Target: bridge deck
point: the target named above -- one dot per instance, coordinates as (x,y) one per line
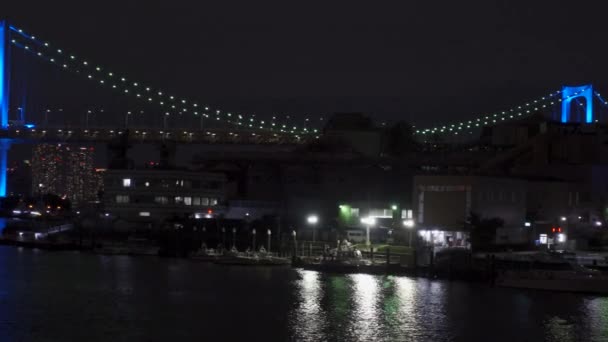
(210,136)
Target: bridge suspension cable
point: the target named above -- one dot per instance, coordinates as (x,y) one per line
(513,113)
(170,104)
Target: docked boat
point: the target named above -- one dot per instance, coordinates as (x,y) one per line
(269,260)
(343,259)
(556,276)
(262,258)
(206,254)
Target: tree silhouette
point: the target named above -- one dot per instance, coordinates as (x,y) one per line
(483,231)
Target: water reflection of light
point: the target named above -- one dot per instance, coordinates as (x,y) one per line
(597,314)
(310,291)
(406,292)
(123,271)
(559,329)
(2,225)
(365,296)
(308,315)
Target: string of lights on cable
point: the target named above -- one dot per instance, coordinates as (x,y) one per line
(513,113)
(170,104)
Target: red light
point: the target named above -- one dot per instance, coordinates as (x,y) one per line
(209,211)
(559,229)
(553,230)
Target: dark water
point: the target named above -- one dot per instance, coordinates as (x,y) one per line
(79,297)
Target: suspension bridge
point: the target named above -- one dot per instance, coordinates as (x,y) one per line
(203,123)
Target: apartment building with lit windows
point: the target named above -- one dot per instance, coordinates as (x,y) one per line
(65,170)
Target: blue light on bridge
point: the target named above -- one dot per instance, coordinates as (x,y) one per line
(4,100)
(4,74)
(571,93)
(29,126)
(5,145)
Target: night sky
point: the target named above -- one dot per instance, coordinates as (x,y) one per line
(421,61)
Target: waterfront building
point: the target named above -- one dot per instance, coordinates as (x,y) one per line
(151,195)
(444,204)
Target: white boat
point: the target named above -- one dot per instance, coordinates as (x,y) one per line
(206,254)
(233,257)
(557,277)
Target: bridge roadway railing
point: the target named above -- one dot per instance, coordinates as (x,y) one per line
(150,135)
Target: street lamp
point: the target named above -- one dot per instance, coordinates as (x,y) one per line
(368,222)
(86,122)
(165,118)
(223,238)
(127,119)
(253,233)
(295,243)
(409,224)
(269,234)
(313,220)
(46,117)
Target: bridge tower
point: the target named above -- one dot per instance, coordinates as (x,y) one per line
(4,100)
(571,93)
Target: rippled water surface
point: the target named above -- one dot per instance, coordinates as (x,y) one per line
(80,297)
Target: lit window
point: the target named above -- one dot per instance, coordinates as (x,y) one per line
(126,182)
(188,200)
(381,213)
(196,201)
(161,199)
(147,184)
(179,200)
(213,201)
(204,201)
(122,198)
(144,213)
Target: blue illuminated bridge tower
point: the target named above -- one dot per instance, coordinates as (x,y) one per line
(573,94)
(4,100)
